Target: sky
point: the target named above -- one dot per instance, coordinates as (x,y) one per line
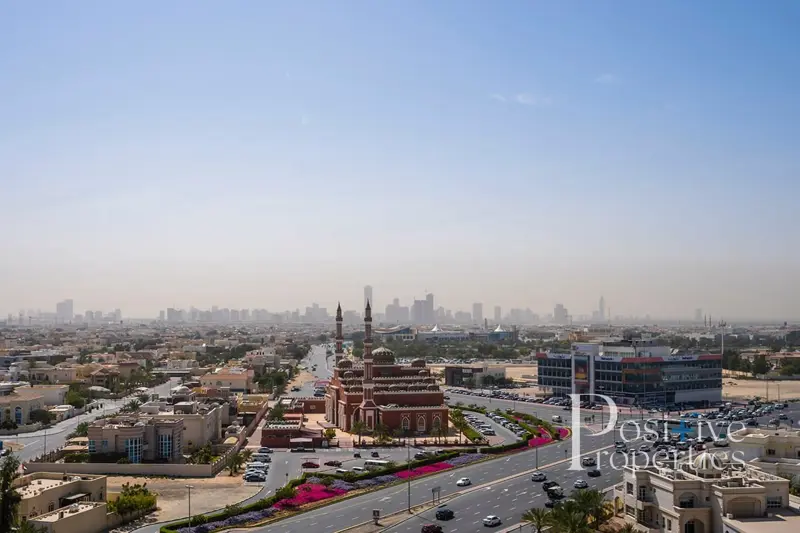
(519,153)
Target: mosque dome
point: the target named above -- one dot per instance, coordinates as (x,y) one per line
(707,465)
(383,356)
(418,363)
(345,363)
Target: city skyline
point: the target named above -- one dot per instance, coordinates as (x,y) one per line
(311,147)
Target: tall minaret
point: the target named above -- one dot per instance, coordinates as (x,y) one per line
(339,337)
(368,407)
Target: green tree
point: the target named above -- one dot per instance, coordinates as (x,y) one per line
(569,517)
(81,430)
(10,498)
(235,462)
(330,433)
(75,399)
(760,365)
(133,499)
(358,428)
(538,518)
(277,412)
(40,415)
(591,502)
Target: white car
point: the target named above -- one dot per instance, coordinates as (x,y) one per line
(463,482)
(538,476)
(491,521)
(580,484)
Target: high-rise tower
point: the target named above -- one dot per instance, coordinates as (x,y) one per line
(601,309)
(339,354)
(368,408)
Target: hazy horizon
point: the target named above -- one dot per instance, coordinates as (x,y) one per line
(521,154)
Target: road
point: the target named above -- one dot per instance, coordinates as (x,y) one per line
(55,436)
(316,357)
(350,512)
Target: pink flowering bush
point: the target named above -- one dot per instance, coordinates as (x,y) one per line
(422,470)
(309,493)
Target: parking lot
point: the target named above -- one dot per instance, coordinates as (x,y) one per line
(499,426)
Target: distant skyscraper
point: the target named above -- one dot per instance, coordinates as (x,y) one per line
(477,313)
(368,297)
(560,315)
(430,314)
(698,315)
(601,309)
(498,314)
(65,311)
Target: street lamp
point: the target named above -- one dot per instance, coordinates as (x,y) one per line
(408,450)
(189,487)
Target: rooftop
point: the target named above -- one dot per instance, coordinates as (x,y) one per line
(779,521)
(59,514)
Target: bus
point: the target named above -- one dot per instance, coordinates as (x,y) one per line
(375,464)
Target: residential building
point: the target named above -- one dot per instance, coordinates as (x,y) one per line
(86,517)
(43,492)
(379,391)
(107,377)
(773,450)
(51,394)
(202,422)
(138,439)
(16,403)
(708,494)
(237,379)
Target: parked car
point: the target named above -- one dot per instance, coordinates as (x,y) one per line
(357,455)
(491,521)
(264,449)
(375,454)
(333,463)
(310,464)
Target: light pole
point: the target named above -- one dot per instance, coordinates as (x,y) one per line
(189,487)
(408,449)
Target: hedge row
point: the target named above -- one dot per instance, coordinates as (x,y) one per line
(369,474)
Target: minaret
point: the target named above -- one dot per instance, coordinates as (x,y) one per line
(339,337)
(368,407)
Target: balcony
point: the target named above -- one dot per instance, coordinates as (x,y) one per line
(647,527)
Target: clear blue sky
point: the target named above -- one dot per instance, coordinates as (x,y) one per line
(519,153)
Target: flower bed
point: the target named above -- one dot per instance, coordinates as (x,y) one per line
(423,470)
(310,493)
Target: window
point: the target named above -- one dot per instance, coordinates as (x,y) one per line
(770,451)
(133,449)
(92,448)
(421,424)
(104,445)
(51,507)
(774,502)
(18,415)
(165,446)
(629,488)
(406,424)
(669,524)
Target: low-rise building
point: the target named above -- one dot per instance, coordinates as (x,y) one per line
(44,492)
(137,439)
(474,375)
(202,422)
(16,403)
(701,496)
(86,517)
(773,450)
(51,394)
(237,379)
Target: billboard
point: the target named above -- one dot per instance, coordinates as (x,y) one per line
(581,369)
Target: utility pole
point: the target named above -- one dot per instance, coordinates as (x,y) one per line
(408,449)
(190,504)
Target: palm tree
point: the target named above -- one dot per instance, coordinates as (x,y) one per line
(235,462)
(627,528)
(592,504)
(381,431)
(568,517)
(9,496)
(358,428)
(538,518)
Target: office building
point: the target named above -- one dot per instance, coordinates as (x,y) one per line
(640,371)
(477,313)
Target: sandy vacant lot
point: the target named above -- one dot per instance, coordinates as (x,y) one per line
(208,494)
(749,388)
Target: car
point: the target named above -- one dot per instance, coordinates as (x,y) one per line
(588,461)
(333,463)
(444,514)
(580,484)
(593,473)
(551,503)
(375,454)
(464,482)
(431,528)
(301,449)
(538,476)
(295,389)
(264,449)
(547,485)
(342,471)
(310,464)
(492,521)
